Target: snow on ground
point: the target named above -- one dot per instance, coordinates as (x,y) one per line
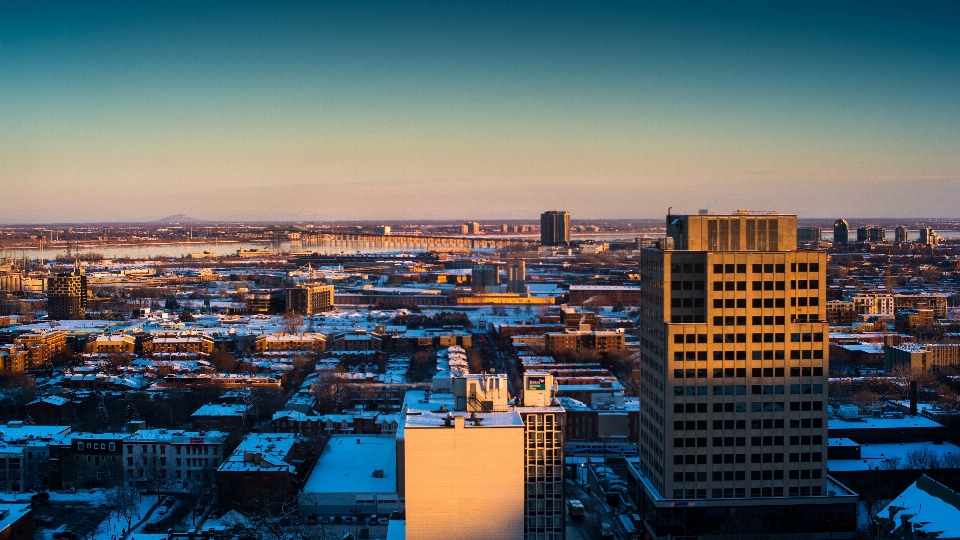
(113,527)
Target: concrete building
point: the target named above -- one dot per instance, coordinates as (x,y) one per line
(901,235)
(485,278)
(86,460)
(573,341)
(165,343)
(604,295)
(841,232)
(555,228)
(67,295)
(306,343)
(13,360)
(261,471)
(935,357)
(928,237)
(840,313)
(266,301)
(310,299)
(16,521)
(355,474)
(42,345)
(809,235)
(123,344)
(158,458)
(449,441)
(470,227)
(517,278)
(733,381)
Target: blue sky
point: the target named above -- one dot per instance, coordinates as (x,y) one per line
(480,110)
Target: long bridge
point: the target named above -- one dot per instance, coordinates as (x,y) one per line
(414,242)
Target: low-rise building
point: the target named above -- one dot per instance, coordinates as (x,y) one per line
(123,344)
(13,360)
(42,345)
(16,521)
(179,342)
(572,341)
(355,474)
(307,343)
(157,458)
(261,471)
(220,417)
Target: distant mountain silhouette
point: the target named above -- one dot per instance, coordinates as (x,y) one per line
(178,219)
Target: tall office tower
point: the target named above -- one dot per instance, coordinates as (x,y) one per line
(555,228)
(901,235)
(841,231)
(733,381)
(67,295)
(863,233)
(310,299)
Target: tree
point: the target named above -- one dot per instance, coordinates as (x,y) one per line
(187,316)
(125,501)
(332,392)
(866,400)
(223,361)
(291,323)
(921,458)
(103,417)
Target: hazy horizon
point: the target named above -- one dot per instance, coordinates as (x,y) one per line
(298,111)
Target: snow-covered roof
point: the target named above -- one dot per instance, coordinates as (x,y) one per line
(929,508)
(348,463)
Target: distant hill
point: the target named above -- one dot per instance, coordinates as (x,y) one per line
(178,219)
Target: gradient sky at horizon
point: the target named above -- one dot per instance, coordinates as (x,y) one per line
(477,110)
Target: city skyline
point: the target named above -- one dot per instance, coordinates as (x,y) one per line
(253,111)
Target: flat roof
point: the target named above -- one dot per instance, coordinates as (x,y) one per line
(874,456)
(883,423)
(347,465)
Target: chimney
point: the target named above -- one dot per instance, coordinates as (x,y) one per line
(913,398)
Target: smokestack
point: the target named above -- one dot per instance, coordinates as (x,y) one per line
(913,398)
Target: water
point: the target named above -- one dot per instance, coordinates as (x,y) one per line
(172,251)
(178,250)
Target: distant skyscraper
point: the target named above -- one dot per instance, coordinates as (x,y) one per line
(555,228)
(733,363)
(901,235)
(67,295)
(809,234)
(841,231)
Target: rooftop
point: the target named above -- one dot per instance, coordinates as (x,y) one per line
(348,464)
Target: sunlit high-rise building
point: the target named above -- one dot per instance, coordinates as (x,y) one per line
(734,381)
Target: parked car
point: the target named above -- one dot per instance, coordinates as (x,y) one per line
(384,521)
(372,520)
(337,520)
(169,501)
(163,511)
(46,520)
(606,531)
(364,533)
(65,535)
(348,520)
(41,497)
(325,520)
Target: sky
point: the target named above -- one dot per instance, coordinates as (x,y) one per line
(132,111)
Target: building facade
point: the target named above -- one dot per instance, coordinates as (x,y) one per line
(733,374)
(310,299)
(67,295)
(841,231)
(555,228)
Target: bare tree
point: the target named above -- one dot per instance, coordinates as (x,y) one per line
(291,323)
(125,501)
